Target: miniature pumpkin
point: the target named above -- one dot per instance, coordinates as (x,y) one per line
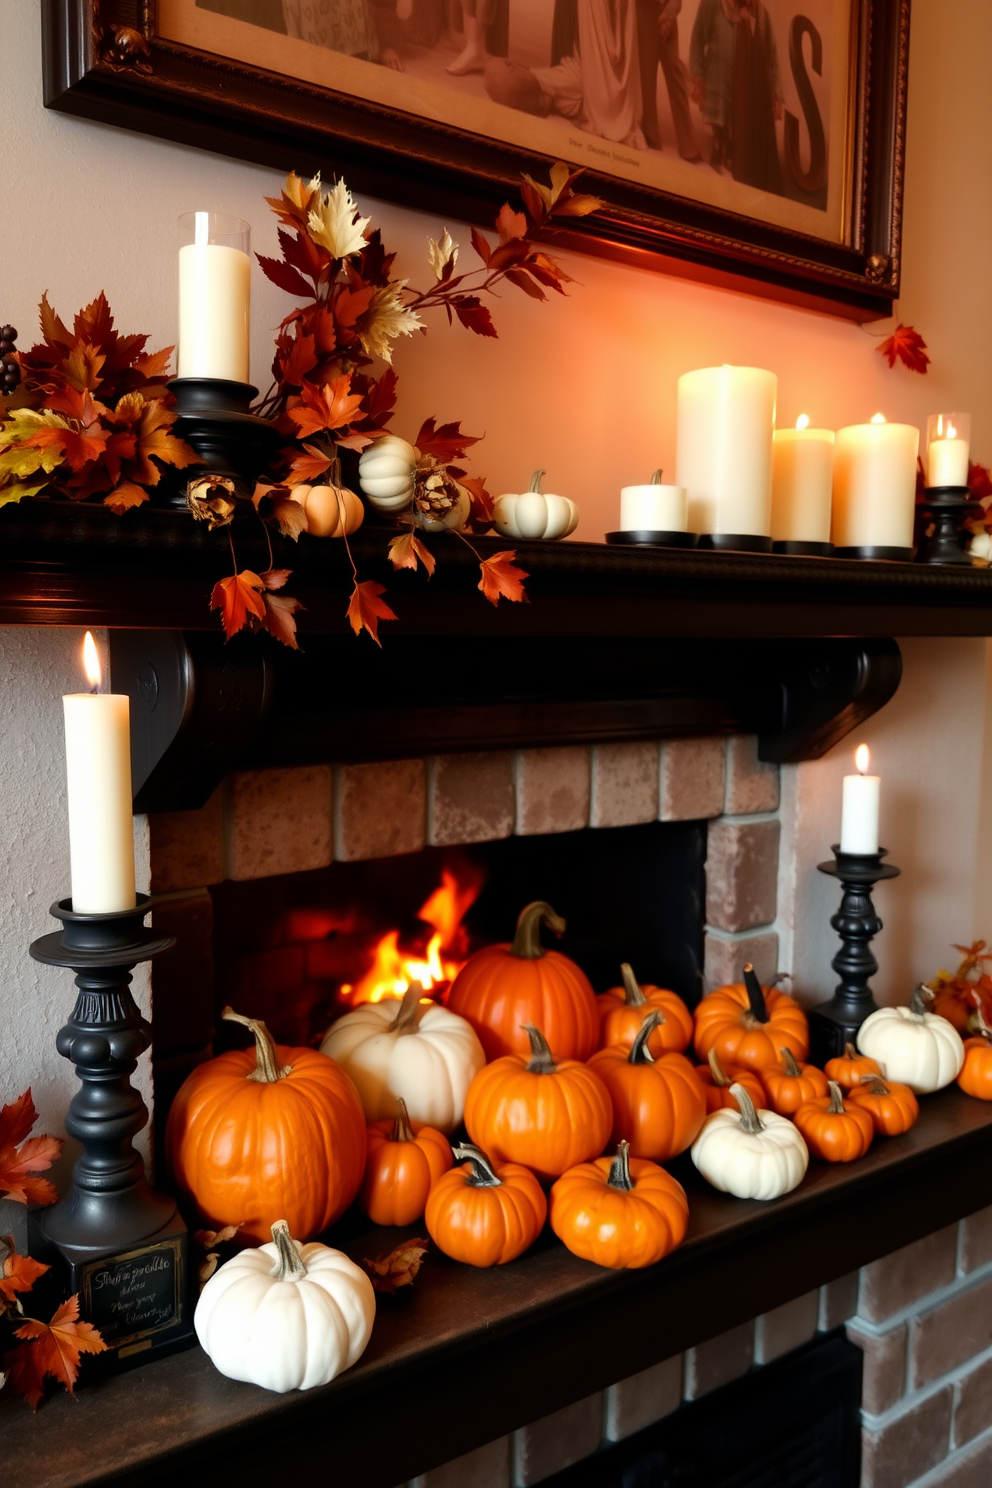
(418,1050)
(658,1105)
(503,987)
(385,473)
(485,1213)
(976,1072)
(255,1136)
(750,1156)
(792,1085)
(545,1115)
(622,1010)
(835,1129)
(747,1024)
(893,1108)
(332,510)
(535,516)
(619,1212)
(717,1083)
(914,1047)
(286,1316)
(403,1161)
(850,1068)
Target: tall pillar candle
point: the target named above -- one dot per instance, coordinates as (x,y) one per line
(874,498)
(214,297)
(726,418)
(859,807)
(98,775)
(802,482)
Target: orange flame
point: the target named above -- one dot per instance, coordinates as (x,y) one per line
(393,970)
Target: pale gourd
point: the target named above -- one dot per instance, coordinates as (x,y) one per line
(455,516)
(532,515)
(416,1050)
(385,473)
(914,1047)
(285,1316)
(332,511)
(750,1154)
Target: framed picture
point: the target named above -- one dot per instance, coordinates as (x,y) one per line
(754,141)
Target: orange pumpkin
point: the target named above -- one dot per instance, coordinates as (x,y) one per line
(792,1085)
(277,1133)
(619,1213)
(547,1115)
(976,1072)
(716,1082)
(404,1159)
(658,1105)
(893,1108)
(622,1010)
(485,1213)
(504,987)
(835,1129)
(747,1024)
(849,1068)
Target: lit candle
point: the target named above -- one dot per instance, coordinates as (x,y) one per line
(214,292)
(653,508)
(874,497)
(948,436)
(726,418)
(802,482)
(859,810)
(98,774)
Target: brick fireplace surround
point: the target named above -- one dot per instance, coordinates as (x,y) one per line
(922,1315)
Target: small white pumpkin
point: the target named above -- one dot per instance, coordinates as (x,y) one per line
(535,516)
(421,1052)
(750,1154)
(285,1316)
(385,472)
(914,1047)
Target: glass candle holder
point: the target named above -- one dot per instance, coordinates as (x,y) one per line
(214,296)
(948,449)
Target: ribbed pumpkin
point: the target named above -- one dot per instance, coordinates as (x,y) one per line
(747,1024)
(976,1072)
(658,1105)
(404,1159)
(622,1010)
(835,1129)
(619,1212)
(893,1108)
(545,1114)
(485,1213)
(258,1136)
(849,1068)
(504,987)
(716,1082)
(792,1085)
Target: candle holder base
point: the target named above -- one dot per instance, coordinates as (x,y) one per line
(735,542)
(945,510)
(643,538)
(883,554)
(796,549)
(212,415)
(835,1023)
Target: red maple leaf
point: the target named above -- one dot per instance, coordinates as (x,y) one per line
(51,1349)
(330,406)
(22,1155)
(366,609)
(405,550)
(907,346)
(500,579)
(237,597)
(17,1274)
(446,443)
(285,276)
(482,503)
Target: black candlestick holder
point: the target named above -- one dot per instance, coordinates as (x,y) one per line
(943,513)
(112,1238)
(212,416)
(835,1023)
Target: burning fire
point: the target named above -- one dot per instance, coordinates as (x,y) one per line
(392,969)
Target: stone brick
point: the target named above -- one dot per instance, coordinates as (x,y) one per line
(624,785)
(786,1327)
(752,784)
(486,1467)
(724,956)
(380,810)
(976,1240)
(279,821)
(969,1469)
(643,1398)
(471,798)
(187,847)
(692,779)
(908,1446)
(553,789)
(741,874)
(722,1359)
(884,1367)
(950,1334)
(838,1301)
(907,1275)
(973,1404)
(556,1441)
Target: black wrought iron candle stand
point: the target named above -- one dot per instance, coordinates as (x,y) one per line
(213,416)
(945,510)
(835,1023)
(112,1238)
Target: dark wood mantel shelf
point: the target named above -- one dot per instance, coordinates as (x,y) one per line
(474,1354)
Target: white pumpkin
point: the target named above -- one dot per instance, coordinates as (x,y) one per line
(421,1052)
(914,1047)
(750,1154)
(285,1316)
(534,515)
(385,472)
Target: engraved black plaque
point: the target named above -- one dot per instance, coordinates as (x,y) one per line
(135,1294)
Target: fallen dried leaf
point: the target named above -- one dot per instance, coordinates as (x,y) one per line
(405,550)
(51,1349)
(399,1268)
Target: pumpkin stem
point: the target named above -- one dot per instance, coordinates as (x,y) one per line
(755,995)
(535,481)
(639,1051)
(620,1169)
(410,1010)
(542,1061)
(632,994)
(527,941)
(655,478)
(789,1061)
(267,1068)
(750,1120)
(836,1106)
(984,1031)
(720,1076)
(920,1000)
(874,1084)
(402,1130)
(334,476)
(289,1265)
(850,1052)
(483,1174)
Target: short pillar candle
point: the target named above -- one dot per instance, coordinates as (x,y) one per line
(948,449)
(859,807)
(726,419)
(214,296)
(874,488)
(802,483)
(653,508)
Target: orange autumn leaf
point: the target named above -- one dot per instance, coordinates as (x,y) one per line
(405,550)
(307,468)
(399,1268)
(51,1350)
(125,496)
(366,609)
(501,579)
(238,597)
(280,609)
(907,346)
(22,1155)
(18,1274)
(330,406)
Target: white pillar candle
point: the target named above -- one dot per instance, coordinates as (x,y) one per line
(98,774)
(948,449)
(874,498)
(802,482)
(652,508)
(859,807)
(214,295)
(726,418)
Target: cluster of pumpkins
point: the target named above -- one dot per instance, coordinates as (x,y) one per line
(546,1077)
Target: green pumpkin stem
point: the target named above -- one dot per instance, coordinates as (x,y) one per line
(789,1062)
(750,1120)
(655,478)
(874,1084)
(542,1061)
(920,1000)
(620,1169)
(535,481)
(267,1067)
(639,1051)
(410,1011)
(289,1265)
(755,995)
(720,1076)
(402,1131)
(836,1106)
(632,994)
(483,1174)
(527,941)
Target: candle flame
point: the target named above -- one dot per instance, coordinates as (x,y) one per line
(802,422)
(91,662)
(878,418)
(952,433)
(862,758)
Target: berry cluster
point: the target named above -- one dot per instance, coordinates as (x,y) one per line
(10,372)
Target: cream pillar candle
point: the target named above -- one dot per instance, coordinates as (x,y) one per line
(98,775)
(726,418)
(802,482)
(859,807)
(948,449)
(653,508)
(214,295)
(874,497)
